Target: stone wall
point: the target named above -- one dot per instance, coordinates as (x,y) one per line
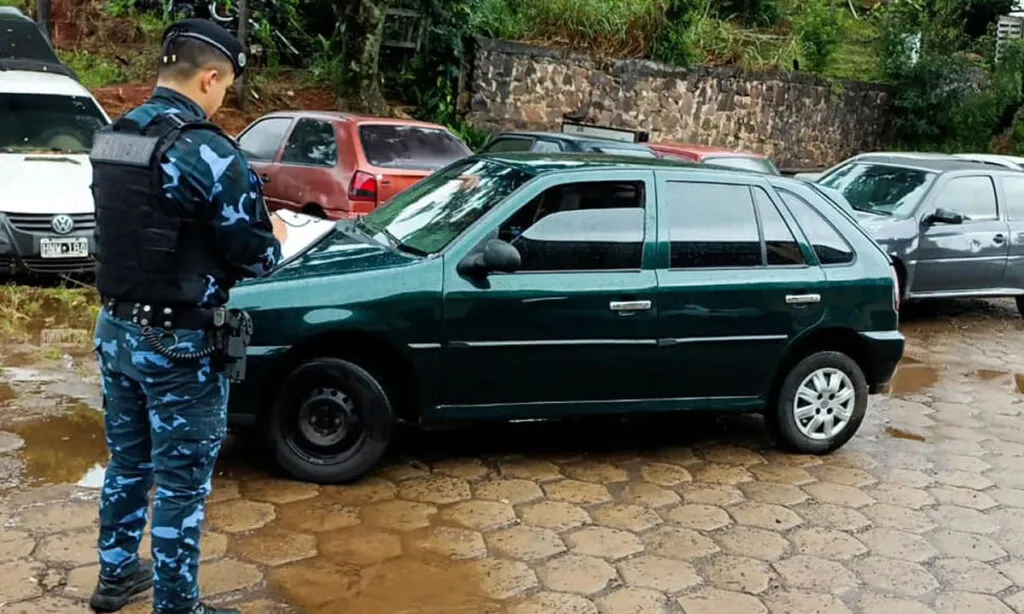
(798,119)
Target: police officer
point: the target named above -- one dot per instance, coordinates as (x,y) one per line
(180,219)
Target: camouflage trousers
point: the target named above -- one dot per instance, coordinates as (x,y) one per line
(165,422)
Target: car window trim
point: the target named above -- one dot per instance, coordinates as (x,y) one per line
(760,233)
(337,146)
(280,146)
(856,256)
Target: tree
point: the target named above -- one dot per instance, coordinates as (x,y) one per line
(361,30)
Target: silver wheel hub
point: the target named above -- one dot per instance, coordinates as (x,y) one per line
(824,403)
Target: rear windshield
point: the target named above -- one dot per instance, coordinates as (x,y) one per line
(758,165)
(411,147)
(31,123)
(21,39)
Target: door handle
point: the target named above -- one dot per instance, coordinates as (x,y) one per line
(265,177)
(999,238)
(802,299)
(629,305)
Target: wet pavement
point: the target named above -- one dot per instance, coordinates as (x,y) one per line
(923,511)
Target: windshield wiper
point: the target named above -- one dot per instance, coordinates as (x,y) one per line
(397,243)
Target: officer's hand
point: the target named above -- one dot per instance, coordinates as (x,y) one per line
(280,228)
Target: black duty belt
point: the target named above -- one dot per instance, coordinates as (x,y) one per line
(160,316)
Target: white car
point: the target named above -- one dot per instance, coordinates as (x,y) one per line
(1014,162)
(47,214)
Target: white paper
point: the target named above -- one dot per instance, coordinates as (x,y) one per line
(302,230)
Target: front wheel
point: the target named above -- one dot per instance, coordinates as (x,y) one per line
(332,422)
(821,404)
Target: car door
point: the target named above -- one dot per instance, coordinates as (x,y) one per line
(1012,197)
(306,179)
(574,323)
(966,257)
(735,285)
(262,143)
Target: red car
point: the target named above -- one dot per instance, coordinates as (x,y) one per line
(336,165)
(705,154)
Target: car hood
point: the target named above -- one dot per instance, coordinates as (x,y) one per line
(336,253)
(884,228)
(45,183)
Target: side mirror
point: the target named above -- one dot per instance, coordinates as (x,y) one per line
(497,256)
(945,216)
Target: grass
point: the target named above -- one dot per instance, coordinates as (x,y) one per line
(27,308)
(857,57)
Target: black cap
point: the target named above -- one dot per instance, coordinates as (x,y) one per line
(208,32)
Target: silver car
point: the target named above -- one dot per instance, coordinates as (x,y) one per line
(953,227)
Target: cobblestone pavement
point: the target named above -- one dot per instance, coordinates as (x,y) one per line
(922,512)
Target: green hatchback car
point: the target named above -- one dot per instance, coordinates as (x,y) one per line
(523,286)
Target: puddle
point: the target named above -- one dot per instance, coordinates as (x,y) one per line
(901,434)
(911,379)
(1019,380)
(987,375)
(62,449)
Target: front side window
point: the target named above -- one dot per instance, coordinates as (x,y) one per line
(880,189)
(428,216)
(263,140)
(311,143)
(44,123)
(591,226)
(975,197)
(712,225)
(828,244)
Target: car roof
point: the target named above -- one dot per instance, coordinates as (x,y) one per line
(574,138)
(338,116)
(698,149)
(539,164)
(937,165)
(32,82)
(993,157)
(10,13)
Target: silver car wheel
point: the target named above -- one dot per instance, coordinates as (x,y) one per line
(824,403)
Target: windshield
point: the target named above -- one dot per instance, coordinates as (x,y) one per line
(428,216)
(758,165)
(880,189)
(410,147)
(33,123)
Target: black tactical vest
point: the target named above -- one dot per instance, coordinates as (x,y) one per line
(148,248)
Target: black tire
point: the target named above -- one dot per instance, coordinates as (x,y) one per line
(315,210)
(1020,305)
(782,417)
(331,392)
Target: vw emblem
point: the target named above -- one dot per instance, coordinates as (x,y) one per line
(62,224)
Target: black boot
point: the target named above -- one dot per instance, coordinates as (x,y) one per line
(202,608)
(111,596)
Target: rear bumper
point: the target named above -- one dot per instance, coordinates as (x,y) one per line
(883,351)
(21,252)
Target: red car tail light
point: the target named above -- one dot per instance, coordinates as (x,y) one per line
(363,188)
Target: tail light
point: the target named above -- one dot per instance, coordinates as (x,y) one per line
(363,188)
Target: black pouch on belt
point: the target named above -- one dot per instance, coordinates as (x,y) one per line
(232,333)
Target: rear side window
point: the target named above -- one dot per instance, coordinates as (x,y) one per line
(781,247)
(410,147)
(1013,189)
(542,146)
(712,225)
(312,143)
(263,140)
(830,247)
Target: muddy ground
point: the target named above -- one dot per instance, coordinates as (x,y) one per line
(922,512)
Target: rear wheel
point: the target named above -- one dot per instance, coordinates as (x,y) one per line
(820,405)
(1020,305)
(332,422)
(315,210)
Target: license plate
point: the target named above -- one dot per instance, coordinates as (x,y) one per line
(64,248)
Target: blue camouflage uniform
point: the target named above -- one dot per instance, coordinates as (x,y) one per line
(165,421)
